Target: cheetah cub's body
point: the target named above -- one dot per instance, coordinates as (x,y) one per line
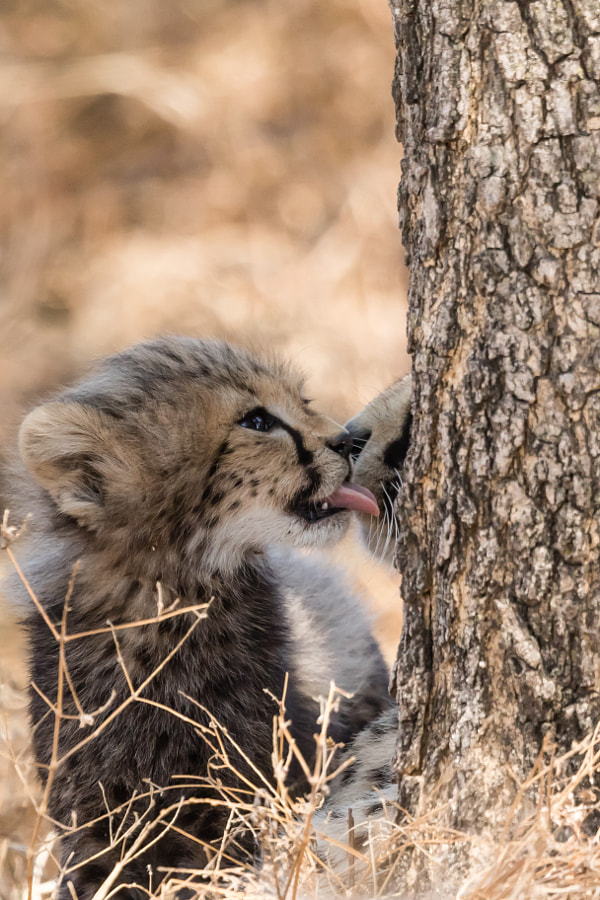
(381,436)
(187,464)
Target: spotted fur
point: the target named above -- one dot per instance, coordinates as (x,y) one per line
(361,804)
(144,474)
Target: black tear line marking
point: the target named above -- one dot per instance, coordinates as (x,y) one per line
(305,457)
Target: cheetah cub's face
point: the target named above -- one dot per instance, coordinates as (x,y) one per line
(195,449)
(380,439)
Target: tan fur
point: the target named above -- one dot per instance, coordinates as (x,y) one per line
(193,417)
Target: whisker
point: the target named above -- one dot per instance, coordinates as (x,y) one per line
(380,528)
(399,477)
(371,523)
(386,543)
(333,422)
(392,526)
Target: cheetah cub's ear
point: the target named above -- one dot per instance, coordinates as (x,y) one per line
(380,440)
(67,448)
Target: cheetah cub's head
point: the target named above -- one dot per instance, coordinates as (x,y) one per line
(194,449)
(380,438)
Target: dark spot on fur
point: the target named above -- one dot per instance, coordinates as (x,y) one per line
(93,873)
(216,498)
(179,499)
(255,482)
(144,657)
(378,729)
(105,405)
(187,816)
(172,355)
(132,590)
(380,777)
(234,505)
(100,830)
(374,808)
(348,774)
(90,481)
(238,482)
(120,793)
(162,744)
(314,483)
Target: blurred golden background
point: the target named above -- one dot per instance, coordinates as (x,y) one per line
(210,167)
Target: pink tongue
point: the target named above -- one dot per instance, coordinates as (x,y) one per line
(354,496)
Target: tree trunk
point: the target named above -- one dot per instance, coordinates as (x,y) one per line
(498,107)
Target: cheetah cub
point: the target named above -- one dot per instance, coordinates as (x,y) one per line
(381,437)
(190,465)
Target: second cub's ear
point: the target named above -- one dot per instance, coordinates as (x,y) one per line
(65,446)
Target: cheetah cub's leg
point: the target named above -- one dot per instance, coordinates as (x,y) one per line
(333,637)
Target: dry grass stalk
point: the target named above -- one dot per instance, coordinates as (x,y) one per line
(549,846)
(553,850)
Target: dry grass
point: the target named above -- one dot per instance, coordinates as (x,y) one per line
(548,846)
(226,168)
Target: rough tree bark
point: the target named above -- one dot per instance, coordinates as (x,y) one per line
(498,107)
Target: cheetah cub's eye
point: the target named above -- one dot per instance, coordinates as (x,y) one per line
(258,420)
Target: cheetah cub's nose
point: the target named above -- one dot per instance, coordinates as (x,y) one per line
(341,443)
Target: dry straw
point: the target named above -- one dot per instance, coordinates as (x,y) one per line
(547,848)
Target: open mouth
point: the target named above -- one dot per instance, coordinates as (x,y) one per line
(347,496)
